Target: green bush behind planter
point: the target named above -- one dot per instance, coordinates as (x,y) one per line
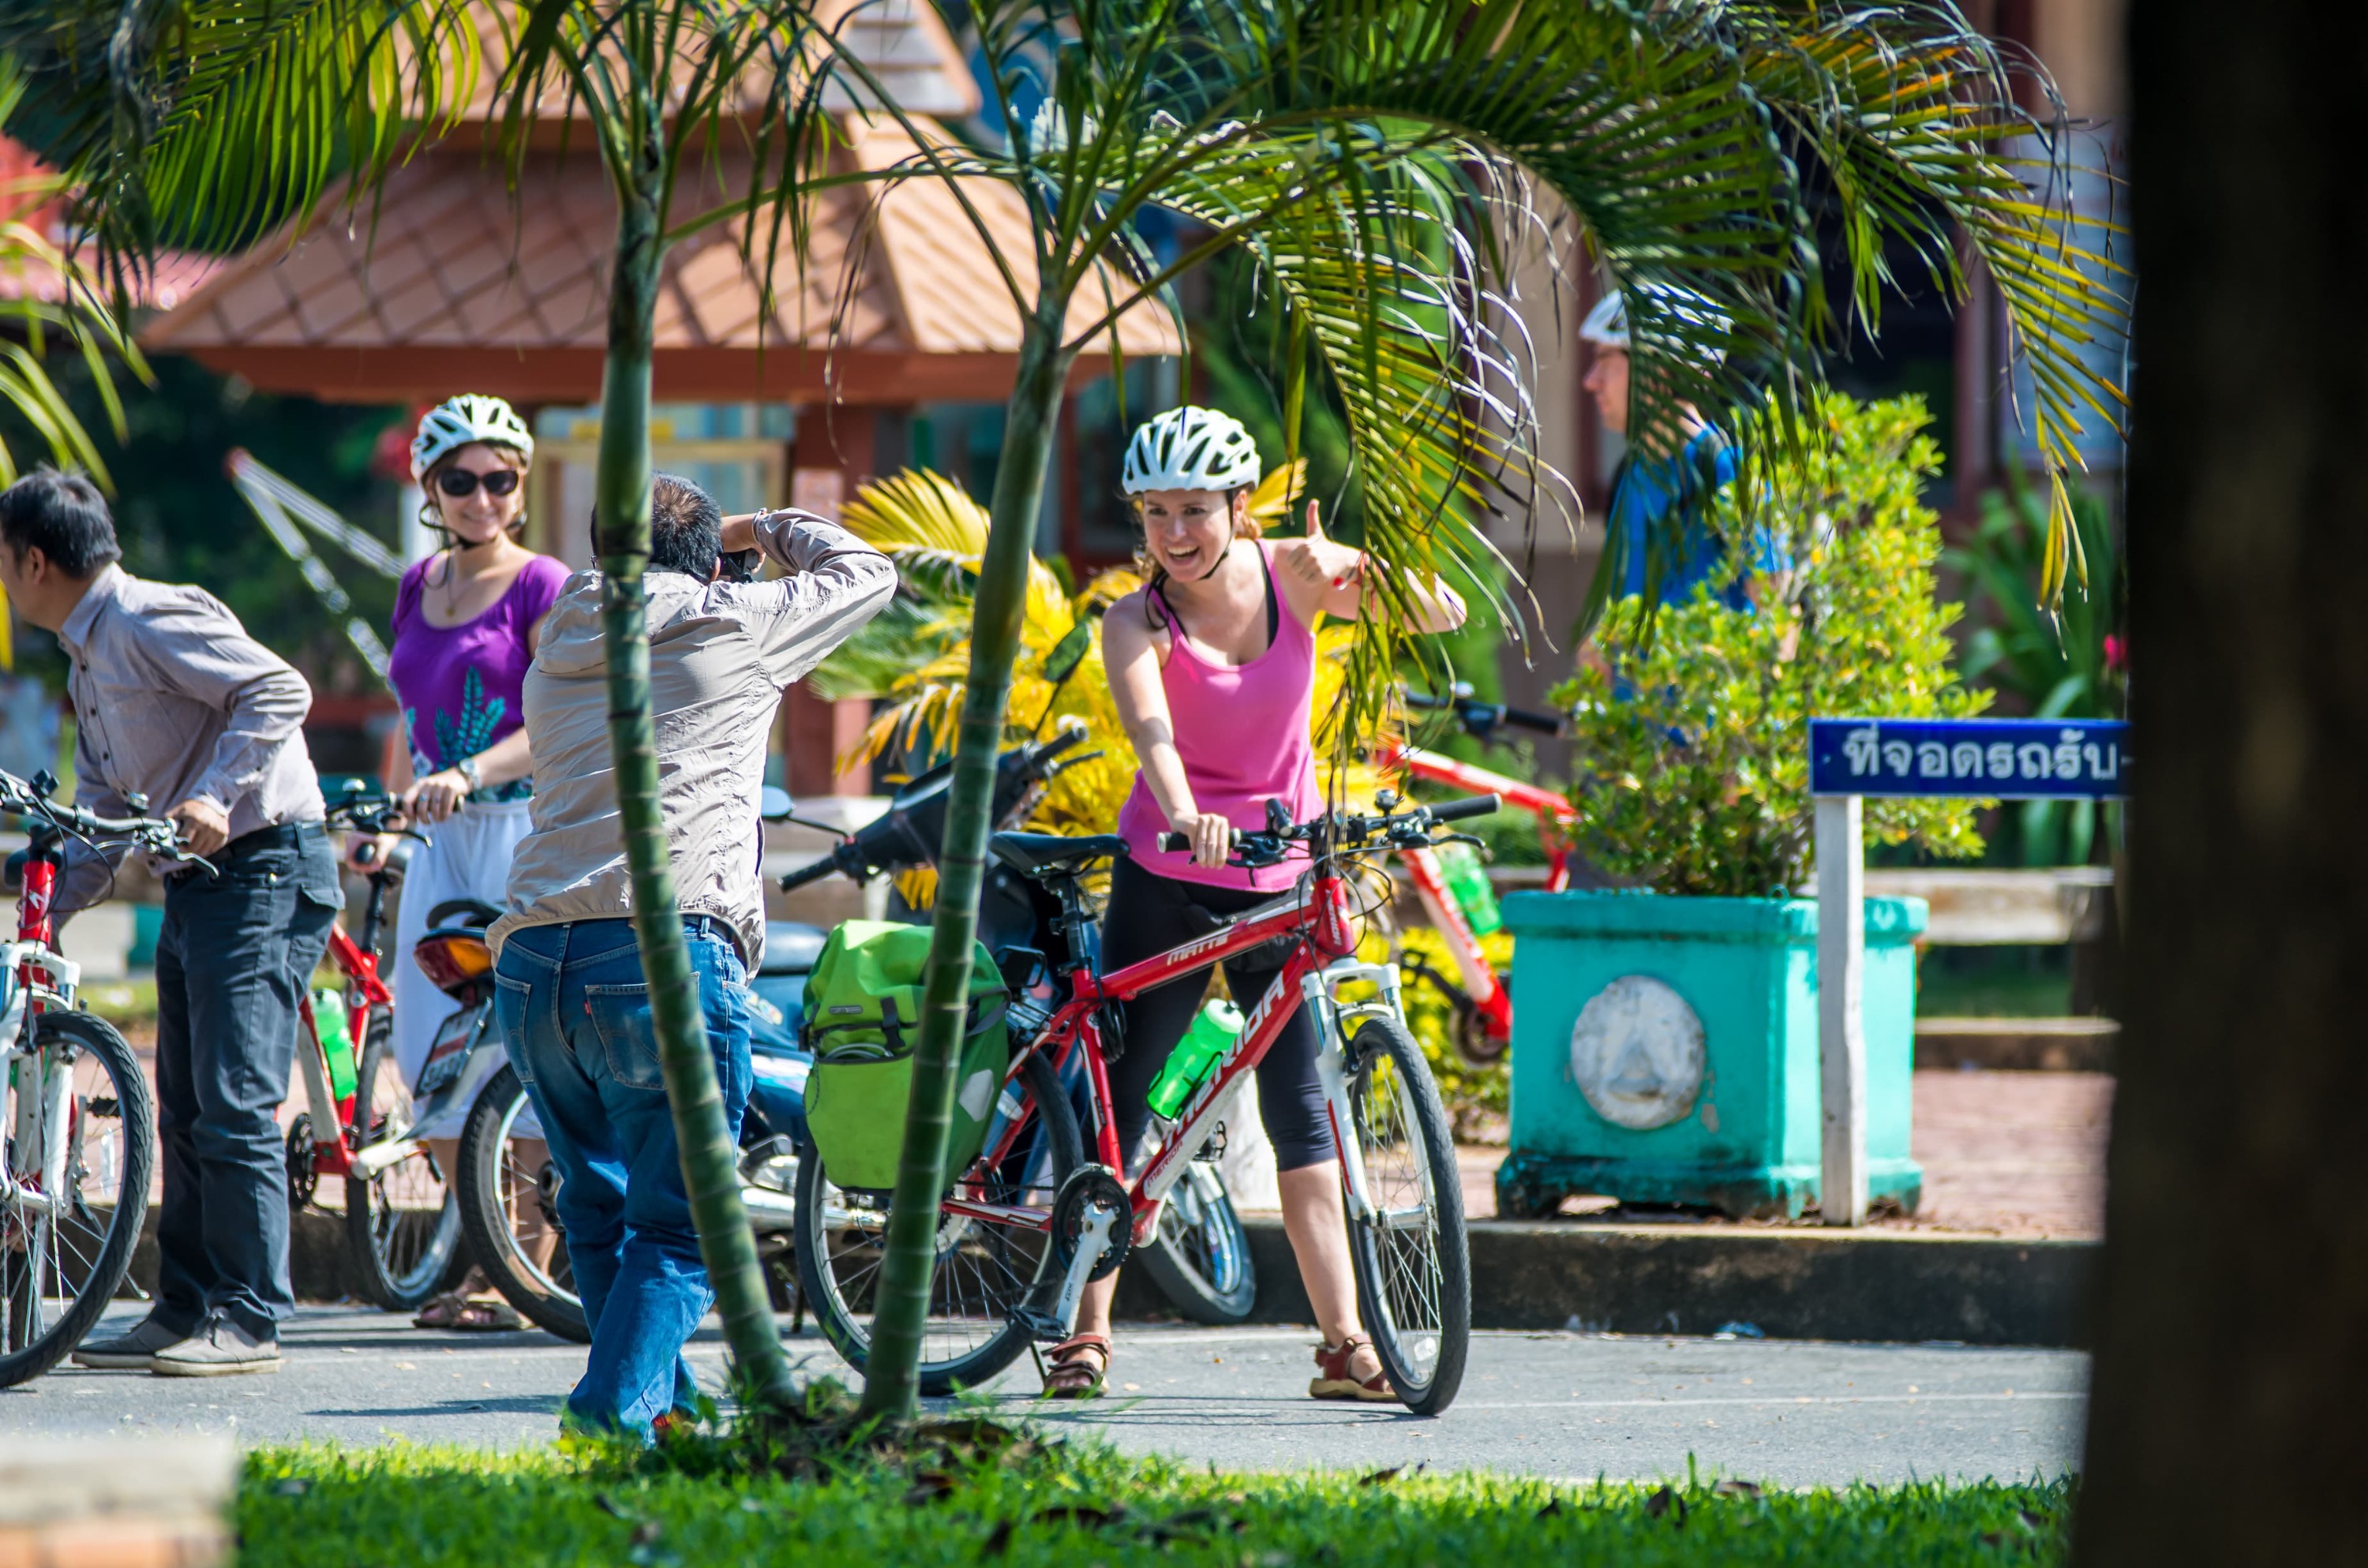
(1690,739)
(1731,1095)
(1691,774)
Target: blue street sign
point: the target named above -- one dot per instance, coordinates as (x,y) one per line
(2006,759)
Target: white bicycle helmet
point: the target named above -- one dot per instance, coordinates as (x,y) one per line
(458,421)
(1191,449)
(1606,324)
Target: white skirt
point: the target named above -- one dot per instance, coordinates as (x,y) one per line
(467,855)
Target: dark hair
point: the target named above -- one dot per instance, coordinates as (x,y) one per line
(65,516)
(686,528)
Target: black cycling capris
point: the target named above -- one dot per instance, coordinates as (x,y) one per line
(1149,915)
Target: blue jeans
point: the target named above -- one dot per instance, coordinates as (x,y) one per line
(575,1013)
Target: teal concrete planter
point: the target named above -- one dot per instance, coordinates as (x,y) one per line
(1665,1051)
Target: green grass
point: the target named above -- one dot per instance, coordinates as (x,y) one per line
(124,1003)
(1994,983)
(1082,1504)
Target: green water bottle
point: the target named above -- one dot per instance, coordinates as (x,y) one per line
(329,1023)
(1467,883)
(1212,1034)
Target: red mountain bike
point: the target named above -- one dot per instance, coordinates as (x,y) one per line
(76,1110)
(402,1222)
(1481,1007)
(1033,1220)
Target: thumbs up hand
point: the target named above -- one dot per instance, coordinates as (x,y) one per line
(1331,568)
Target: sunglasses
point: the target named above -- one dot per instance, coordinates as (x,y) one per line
(459,481)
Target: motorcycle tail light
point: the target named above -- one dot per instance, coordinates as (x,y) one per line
(455,961)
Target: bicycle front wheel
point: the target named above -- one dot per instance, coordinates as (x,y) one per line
(983,1271)
(402,1224)
(80,1134)
(1414,1263)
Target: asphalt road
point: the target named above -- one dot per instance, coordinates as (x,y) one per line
(1561,1405)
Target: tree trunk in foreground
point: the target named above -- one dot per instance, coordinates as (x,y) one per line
(2224,1424)
(621,484)
(891,1375)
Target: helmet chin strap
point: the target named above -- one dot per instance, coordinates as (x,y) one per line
(1222,556)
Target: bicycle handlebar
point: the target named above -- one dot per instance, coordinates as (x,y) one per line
(1413,827)
(1479,719)
(1471,806)
(158,835)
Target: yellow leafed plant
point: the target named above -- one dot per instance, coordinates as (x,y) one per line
(937,535)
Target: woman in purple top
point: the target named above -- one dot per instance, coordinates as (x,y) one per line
(466,623)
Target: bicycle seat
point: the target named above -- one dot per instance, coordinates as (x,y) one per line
(1048,853)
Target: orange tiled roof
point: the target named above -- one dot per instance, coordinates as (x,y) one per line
(460,285)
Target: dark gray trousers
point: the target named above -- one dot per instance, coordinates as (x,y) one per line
(237,950)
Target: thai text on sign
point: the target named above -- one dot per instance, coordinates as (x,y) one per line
(2012,759)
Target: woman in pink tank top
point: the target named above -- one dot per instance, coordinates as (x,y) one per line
(1212,667)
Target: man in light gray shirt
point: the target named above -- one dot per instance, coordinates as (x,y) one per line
(573,1005)
(176,704)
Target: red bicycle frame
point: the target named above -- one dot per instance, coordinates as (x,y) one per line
(1316,914)
(1489,998)
(1555,813)
(364,990)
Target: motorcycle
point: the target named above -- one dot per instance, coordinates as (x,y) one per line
(509,1187)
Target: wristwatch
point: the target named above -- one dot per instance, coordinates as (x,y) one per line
(467,768)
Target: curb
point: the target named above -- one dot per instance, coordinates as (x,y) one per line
(2017,1045)
(1557,1275)
(1696,1279)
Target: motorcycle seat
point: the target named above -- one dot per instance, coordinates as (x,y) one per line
(1046,853)
(791,947)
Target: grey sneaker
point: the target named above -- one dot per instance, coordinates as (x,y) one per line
(218,1349)
(135,1351)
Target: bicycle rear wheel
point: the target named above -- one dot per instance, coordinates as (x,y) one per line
(80,1134)
(1413,1263)
(402,1224)
(1200,1257)
(509,1202)
(983,1271)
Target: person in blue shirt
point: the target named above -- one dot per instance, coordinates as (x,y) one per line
(1652,482)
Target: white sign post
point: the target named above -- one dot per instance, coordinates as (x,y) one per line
(1841,1031)
(2008,759)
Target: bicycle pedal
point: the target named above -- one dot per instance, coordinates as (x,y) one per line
(1042,1327)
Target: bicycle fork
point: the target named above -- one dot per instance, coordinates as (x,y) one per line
(1334,1018)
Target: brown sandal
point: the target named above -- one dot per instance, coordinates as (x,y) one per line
(1067,1375)
(1332,1380)
(462,1313)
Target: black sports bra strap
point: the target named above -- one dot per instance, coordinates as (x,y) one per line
(1273,607)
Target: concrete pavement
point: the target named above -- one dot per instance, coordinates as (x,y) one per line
(1561,1405)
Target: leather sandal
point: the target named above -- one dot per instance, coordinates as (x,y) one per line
(458,1311)
(1069,1375)
(1332,1380)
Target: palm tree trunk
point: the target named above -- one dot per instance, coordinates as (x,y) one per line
(621,485)
(2224,1421)
(891,1377)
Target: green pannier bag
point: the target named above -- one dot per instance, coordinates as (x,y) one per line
(862,1022)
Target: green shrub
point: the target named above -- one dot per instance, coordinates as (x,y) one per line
(1692,756)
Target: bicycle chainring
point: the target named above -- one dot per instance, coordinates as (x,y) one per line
(303,1178)
(1089,1186)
